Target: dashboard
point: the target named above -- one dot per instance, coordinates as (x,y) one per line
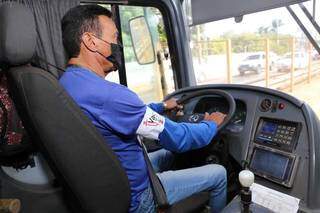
(273,132)
(274,141)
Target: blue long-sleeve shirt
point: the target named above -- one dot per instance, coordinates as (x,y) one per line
(120,115)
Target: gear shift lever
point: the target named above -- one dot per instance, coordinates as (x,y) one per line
(246,179)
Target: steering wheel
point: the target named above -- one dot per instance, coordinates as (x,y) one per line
(197,117)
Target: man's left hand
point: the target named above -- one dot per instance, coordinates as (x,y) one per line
(171,104)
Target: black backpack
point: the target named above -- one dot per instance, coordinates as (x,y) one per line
(15,147)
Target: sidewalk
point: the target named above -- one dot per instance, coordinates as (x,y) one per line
(310,93)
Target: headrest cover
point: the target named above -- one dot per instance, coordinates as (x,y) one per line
(17,34)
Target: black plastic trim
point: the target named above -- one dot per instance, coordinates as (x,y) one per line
(313,127)
(122,71)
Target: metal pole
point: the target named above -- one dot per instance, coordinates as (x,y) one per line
(314,9)
(309,16)
(292,64)
(164,87)
(267,61)
(304,29)
(310,62)
(199,44)
(229,61)
(207,49)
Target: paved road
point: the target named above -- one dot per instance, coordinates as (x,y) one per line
(308,92)
(276,79)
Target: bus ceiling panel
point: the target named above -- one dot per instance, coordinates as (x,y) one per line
(204,11)
(122,2)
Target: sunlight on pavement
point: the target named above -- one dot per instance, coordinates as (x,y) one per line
(310,93)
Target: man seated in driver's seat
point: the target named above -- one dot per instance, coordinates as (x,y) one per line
(90,40)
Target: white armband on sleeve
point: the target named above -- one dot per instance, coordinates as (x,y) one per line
(151,125)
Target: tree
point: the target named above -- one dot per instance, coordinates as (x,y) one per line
(275,25)
(263,30)
(156,28)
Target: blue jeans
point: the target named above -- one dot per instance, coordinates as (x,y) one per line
(181,184)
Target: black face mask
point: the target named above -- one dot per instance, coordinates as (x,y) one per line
(115,57)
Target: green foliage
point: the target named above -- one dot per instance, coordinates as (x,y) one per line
(127,13)
(246,42)
(162,33)
(218,47)
(249,42)
(157,31)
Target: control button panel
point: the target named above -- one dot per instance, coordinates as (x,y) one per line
(284,134)
(277,133)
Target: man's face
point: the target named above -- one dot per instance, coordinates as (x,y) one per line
(110,35)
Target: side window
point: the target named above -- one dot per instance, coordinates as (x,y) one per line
(151,81)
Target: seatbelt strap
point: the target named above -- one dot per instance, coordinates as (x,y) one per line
(52,65)
(159,194)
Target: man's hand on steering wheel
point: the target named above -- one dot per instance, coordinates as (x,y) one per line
(216,117)
(197,117)
(171,104)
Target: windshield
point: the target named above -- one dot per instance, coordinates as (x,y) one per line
(288,56)
(219,49)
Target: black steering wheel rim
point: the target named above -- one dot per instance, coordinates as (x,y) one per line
(229,98)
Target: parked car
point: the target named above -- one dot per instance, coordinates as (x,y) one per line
(256,63)
(300,62)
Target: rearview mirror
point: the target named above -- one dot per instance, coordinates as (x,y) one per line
(141,40)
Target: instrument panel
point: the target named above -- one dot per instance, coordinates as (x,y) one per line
(216,104)
(279,134)
(273,155)
(274,140)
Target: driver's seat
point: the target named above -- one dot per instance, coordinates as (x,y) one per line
(86,167)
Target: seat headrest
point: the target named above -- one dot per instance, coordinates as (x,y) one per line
(17,34)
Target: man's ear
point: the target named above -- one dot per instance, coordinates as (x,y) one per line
(89,42)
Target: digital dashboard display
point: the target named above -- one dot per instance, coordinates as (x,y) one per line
(269,128)
(269,163)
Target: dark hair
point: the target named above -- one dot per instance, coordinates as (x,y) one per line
(78,20)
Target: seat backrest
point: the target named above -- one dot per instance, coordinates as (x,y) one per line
(15,147)
(77,153)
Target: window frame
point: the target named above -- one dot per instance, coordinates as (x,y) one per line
(177,37)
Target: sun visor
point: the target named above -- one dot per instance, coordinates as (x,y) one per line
(204,11)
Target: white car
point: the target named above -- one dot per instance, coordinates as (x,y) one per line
(300,62)
(256,63)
